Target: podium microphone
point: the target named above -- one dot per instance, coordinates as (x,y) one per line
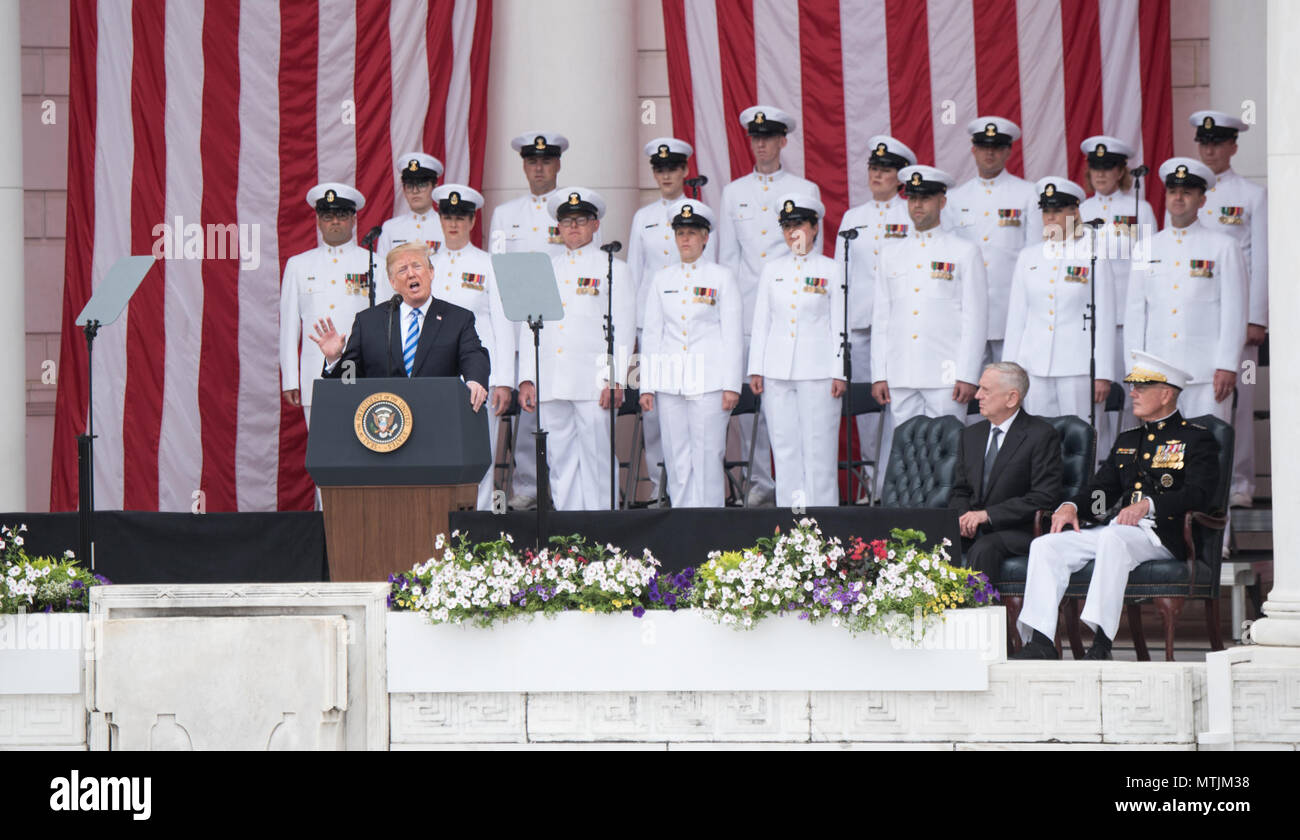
(612,248)
(369,240)
(393,303)
(849,235)
(1140,172)
(1095,223)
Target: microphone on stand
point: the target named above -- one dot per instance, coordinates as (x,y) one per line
(612,247)
(369,240)
(394,304)
(696,184)
(1140,172)
(849,234)
(1095,223)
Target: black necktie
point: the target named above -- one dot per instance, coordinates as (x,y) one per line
(990,455)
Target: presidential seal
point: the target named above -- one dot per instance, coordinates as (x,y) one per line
(383,422)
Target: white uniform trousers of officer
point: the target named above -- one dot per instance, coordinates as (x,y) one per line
(804,421)
(488,483)
(1057,396)
(906,403)
(1118,549)
(1243,424)
(760,471)
(868,425)
(1198,399)
(577,452)
(652,437)
(694,441)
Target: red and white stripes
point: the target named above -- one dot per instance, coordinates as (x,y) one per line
(217,114)
(1062,69)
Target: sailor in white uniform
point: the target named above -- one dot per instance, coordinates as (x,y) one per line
(419,173)
(329,281)
(577,387)
(878,222)
(524,224)
(930,321)
(749,235)
(998,213)
(651,246)
(462,274)
(795,362)
(692,359)
(1187,304)
(1052,286)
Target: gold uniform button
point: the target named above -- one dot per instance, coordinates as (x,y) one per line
(683,317)
(918,288)
(1137,485)
(986,239)
(914,336)
(1174,312)
(1051,281)
(762,232)
(683,346)
(331,306)
(534,230)
(336,259)
(916,312)
(792,335)
(764,254)
(1049,328)
(1175,335)
(990,192)
(1146,455)
(1151,437)
(1050,297)
(792,306)
(448,288)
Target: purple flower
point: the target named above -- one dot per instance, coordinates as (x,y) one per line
(638,611)
(688,572)
(670,600)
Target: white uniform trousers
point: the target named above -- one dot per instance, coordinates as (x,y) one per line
(488,484)
(1196,400)
(1057,396)
(1243,464)
(577,451)
(654,451)
(906,403)
(694,442)
(804,420)
(1118,549)
(760,472)
(868,424)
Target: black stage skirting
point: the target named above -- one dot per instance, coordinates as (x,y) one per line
(144,547)
(683,537)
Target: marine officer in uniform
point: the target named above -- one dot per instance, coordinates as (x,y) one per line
(997,212)
(419,173)
(797,367)
(524,224)
(1187,304)
(1154,474)
(651,247)
(1051,288)
(930,321)
(329,281)
(879,221)
(462,274)
(1238,207)
(692,359)
(749,235)
(577,386)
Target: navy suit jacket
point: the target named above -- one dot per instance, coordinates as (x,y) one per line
(449,344)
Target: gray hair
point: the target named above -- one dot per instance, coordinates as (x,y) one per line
(1013,376)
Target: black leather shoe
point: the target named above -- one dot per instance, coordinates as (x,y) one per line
(1038,647)
(1100,648)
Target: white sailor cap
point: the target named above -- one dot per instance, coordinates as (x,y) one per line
(417,166)
(332,195)
(800,207)
(1055,191)
(570,200)
(1186,172)
(1148,368)
(993,131)
(888,151)
(767,120)
(690,212)
(544,143)
(668,151)
(1106,152)
(925,180)
(457,200)
(1216,126)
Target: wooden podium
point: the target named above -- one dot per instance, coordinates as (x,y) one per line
(392,457)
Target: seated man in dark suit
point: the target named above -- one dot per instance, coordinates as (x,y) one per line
(1008,467)
(414,334)
(1154,474)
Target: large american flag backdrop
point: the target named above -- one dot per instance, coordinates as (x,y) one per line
(226,112)
(920,70)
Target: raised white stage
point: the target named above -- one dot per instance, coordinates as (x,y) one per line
(365,678)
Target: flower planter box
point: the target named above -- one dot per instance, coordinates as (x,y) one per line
(684,651)
(42,653)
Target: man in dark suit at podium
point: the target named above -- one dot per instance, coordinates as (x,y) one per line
(418,336)
(1008,467)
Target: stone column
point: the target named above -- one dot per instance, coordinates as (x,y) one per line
(13,380)
(1281,626)
(1238,71)
(567,67)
